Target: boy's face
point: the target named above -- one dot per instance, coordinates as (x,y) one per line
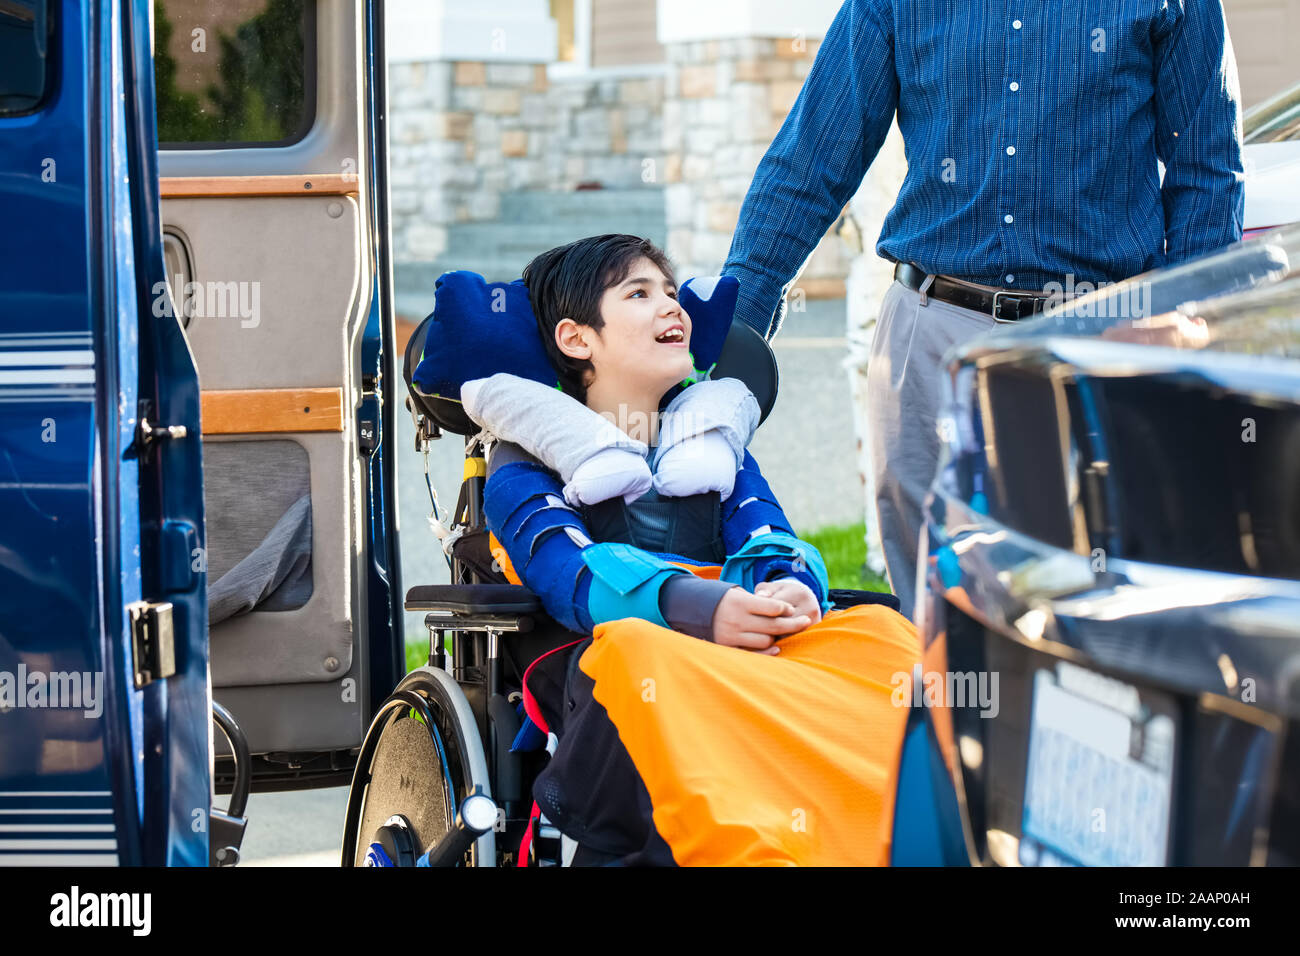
(646,341)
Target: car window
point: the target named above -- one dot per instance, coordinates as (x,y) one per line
(234,72)
(25,35)
(1276,120)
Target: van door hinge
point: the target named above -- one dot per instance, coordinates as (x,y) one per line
(147,433)
(153,641)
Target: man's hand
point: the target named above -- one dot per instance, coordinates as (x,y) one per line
(752,621)
(1171,329)
(795,593)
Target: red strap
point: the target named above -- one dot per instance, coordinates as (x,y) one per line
(526,843)
(530,703)
(535,715)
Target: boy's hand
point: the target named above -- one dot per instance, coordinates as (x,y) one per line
(795,593)
(752,621)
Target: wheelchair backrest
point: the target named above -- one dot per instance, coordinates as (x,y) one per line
(448,414)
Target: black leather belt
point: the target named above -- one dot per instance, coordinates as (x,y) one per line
(1003,305)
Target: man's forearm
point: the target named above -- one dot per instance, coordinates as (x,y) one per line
(1198,134)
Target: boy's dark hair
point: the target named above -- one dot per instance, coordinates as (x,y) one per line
(569,281)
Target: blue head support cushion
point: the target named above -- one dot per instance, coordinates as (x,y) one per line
(480,328)
(710,301)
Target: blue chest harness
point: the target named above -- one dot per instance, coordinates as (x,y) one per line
(689,526)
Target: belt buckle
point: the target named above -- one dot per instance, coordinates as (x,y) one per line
(1014,293)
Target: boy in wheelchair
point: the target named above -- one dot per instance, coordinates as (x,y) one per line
(712,707)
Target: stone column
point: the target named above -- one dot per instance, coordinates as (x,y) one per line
(738,66)
(468,110)
(735,69)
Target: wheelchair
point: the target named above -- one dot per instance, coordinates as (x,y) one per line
(438,781)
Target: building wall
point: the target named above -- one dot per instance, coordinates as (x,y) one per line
(465,133)
(1264,36)
(623,33)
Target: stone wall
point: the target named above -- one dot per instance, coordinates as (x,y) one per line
(464,133)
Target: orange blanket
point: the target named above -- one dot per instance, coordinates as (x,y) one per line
(750,759)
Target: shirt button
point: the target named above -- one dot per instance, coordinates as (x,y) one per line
(1011,151)
(1008,218)
(1010,279)
(1014,86)
(1016,24)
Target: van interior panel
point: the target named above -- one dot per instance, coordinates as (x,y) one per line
(253,411)
(321,184)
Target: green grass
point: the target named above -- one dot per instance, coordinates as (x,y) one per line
(417,654)
(843,548)
(417,651)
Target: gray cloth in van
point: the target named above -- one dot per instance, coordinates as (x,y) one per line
(274,576)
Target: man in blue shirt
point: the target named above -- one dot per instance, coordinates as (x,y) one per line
(1032,134)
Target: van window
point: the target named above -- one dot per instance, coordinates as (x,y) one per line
(25,41)
(234,72)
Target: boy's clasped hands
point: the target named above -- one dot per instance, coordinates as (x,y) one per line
(756,621)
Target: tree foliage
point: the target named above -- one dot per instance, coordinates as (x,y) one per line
(261,88)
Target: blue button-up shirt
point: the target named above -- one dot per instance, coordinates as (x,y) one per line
(1032,134)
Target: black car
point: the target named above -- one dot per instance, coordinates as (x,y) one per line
(1112,547)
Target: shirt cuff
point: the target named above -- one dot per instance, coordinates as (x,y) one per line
(687,603)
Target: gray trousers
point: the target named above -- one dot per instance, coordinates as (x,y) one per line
(903,395)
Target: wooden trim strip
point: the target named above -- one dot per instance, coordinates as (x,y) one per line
(259,411)
(190,187)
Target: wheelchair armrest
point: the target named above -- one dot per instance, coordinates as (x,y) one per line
(473,599)
(846,597)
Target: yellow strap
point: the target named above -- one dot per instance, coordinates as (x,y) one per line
(475,468)
(502,559)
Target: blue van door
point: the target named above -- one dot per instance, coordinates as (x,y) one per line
(104,689)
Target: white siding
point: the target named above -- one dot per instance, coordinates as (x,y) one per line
(624,33)
(1264,38)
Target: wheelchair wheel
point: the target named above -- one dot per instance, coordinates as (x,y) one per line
(421,757)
